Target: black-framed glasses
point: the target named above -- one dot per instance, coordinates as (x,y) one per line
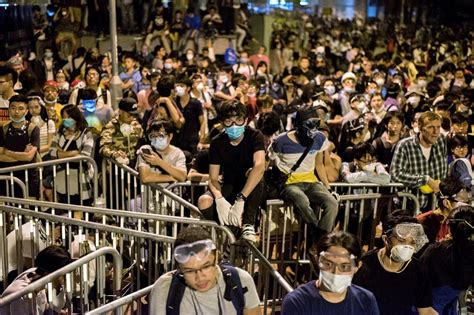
(239,121)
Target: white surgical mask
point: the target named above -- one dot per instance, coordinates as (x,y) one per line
(223,78)
(168,66)
(180,91)
(335,283)
(401,253)
(330,90)
(200,86)
(189,56)
(361,107)
(380,81)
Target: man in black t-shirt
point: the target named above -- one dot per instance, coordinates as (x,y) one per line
(158,27)
(240,155)
(399,282)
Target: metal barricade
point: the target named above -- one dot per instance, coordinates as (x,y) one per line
(59,179)
(10,182)
(98,256)
(282,233)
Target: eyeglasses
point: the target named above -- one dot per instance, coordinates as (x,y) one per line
(203,270)
(200,250)
(239,121)
(367,161)
(328,265)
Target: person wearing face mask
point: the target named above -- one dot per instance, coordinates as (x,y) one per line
(338,259)
(398,280)
(202,93)
(460,166)
(348,81)
(306,191)
(96,114)
(194,128)
(238,152)
(46,68)
(449,263)
(159,161)
(20,144)
(353,133)
(452,193)
(168,67)
(225,91)
(244,66)
(120,136)
(358,105)
(74,138)
(392,128)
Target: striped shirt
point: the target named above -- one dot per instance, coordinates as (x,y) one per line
(411,168)
(286,152)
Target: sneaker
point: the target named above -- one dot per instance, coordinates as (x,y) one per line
(248,233)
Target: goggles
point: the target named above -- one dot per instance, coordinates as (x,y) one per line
(462,196)
(200,250)
(413,230)
(326,264)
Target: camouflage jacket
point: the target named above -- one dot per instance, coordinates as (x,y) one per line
(113,141)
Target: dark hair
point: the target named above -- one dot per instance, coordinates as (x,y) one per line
(262,63)
(461,231)
(341,239)
(395,218)
(362,149)
(457,141)
(88,94)
(185,81)
(232,108)
(165,85)
(51,259)
(190,235)
(459,118)
(264,101)
(73,112)
(44,112)
(448,188)
(268,123)
(157,125)
(393,114)
(19,98)
(8,72)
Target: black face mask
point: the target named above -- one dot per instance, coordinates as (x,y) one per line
(306,132)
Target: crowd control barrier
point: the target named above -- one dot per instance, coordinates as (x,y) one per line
(31,291)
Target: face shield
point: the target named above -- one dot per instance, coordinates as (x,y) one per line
(413,230)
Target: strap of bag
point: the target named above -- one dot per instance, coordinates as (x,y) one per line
(302,157)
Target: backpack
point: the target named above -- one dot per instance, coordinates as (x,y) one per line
(233,290)
(31,127)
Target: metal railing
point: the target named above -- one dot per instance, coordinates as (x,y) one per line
(46,281)
(10,182)
(54,165)
(118,304)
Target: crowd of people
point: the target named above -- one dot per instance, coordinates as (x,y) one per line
(332,101)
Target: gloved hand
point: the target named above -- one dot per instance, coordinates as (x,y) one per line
(223,208)
(123,161)
(236,211)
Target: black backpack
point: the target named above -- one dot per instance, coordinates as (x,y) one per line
(233,290)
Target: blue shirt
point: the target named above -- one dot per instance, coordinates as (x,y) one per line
(194,22)
(136,77)
(307,300)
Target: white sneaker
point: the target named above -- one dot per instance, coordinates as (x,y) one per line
(248,233)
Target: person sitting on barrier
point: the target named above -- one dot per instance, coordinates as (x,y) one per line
(365,168)
(338,259)
(419,162)
(452,193)
(159,161)
(19,145)
(239,154)
(73,139)
(461,167)
(449,262)
(50,259)
(397,279)
(303,188)
(202,284)
(121,136)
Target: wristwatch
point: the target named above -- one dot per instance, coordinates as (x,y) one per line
(241,196)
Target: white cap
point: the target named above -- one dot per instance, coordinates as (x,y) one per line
(349,75)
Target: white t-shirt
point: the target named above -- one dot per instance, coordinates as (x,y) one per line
(174,157)
(206,302)
(426,152)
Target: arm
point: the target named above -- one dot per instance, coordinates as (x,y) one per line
(6,158)
(214,185)
(26,156)
(221,95)
(256,173)
(176,116)
(47,146)
(426,311)
(321,170)
(202,129)
(380,176)
(176,173)
(195,176)
(352,177)
(147,176)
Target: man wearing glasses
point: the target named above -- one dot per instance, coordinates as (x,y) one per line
(7,78)
(205,282)
(333,293)
(239,155)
